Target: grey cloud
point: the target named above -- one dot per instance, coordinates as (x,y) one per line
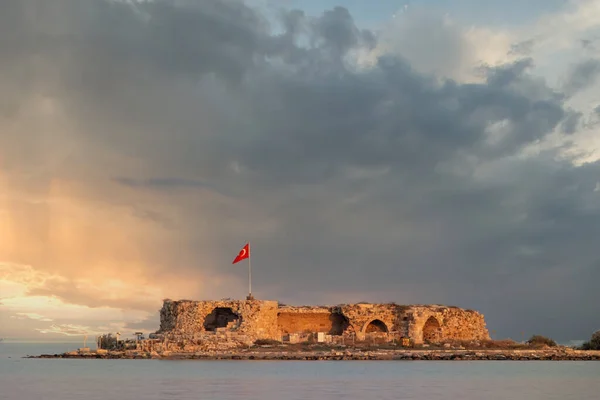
(373,184)
(508,74)
(393,116)
(593,119)
(590,44)
(586,43)
(163,183)
(173,185)
(572,122)
(416,32)
(154,216)
(70,293)
(524,48)
(148,325)
(583,75)
(336,28)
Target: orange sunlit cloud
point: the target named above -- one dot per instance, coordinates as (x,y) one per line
(66,255)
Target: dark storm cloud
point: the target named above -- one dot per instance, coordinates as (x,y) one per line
(354,184)
(338,33)
(392,116)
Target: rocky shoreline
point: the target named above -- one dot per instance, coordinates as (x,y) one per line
(345,355)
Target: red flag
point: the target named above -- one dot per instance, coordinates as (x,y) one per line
(244,253)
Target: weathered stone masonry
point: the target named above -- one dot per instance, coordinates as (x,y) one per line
(256,319)
(252,318)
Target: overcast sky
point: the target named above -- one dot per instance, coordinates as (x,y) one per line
(417,152)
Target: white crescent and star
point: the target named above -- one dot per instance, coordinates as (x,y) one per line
(243,253)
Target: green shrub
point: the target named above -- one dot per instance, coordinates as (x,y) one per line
(539,340)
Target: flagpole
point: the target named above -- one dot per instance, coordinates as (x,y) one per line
(249,272)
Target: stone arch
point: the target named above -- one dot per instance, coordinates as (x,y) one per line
(375,326)
(220,317)
(432,330)
(339,324)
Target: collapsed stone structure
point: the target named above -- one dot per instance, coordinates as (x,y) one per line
(245,321)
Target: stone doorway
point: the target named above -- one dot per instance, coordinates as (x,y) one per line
(432,331)
(220,317)
(376,326)
(376,331)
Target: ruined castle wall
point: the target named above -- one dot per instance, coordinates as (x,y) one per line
(440,323)
(308,319)
(168,319)
(464,325)
(257,319)
(361,315)
(253,319)
(263,321)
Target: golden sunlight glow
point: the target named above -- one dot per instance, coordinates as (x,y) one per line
(67,257)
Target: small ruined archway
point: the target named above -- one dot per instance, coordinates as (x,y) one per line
(376,326)
(432,330)
(220,317)
(339,324)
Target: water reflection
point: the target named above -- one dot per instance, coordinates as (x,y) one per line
(151,379)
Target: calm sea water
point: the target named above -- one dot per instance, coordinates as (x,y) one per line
(33,379)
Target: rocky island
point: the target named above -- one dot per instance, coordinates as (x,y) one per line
(266,330)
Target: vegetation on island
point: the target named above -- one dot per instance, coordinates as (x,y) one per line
(539,340)
(593,343)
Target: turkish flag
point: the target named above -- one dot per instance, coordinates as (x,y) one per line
(244,253)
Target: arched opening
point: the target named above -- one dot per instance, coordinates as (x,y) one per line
(339,324)
(220,317)
(376,326)
(432,331)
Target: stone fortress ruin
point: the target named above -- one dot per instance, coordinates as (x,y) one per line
(187,325)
